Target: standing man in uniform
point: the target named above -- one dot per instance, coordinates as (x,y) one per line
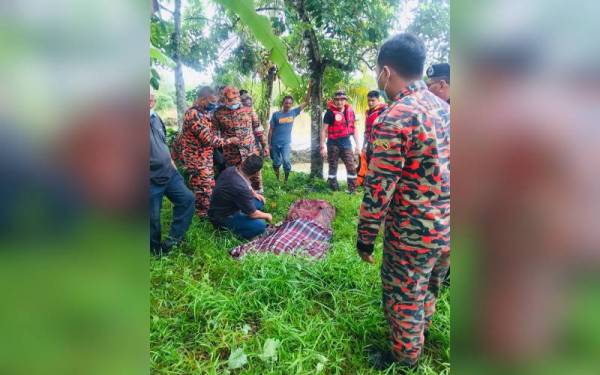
(438,80)
(280,134)
(166,180)
(234,120)
(338,127)
(375,107)
(408,188)
(197,141)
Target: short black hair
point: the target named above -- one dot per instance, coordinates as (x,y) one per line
(252,164)
(242,92)
(405,53)
(205,91)
(373,94)
(287,97)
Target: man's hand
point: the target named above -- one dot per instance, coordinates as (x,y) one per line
(356,150)
(260,197)
(366,257)
(323,151)
(268,217)
(266,151)
(234,141)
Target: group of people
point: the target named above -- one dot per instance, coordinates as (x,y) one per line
(406,152)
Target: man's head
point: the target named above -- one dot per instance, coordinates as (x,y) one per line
(373,99)
(399,62)
(206,95)
(287,103)
(252,164)
(243,92)
(151,99)
(246,99)
(231,97)
(340,99)
(438,80)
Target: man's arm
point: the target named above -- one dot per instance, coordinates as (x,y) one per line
(307,97)
(271,124)
(355,136)
(383,174)
(323,139)
(258,214)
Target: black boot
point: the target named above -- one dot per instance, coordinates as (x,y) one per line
(286,176)
(352,186)
(333,185)
(276,173)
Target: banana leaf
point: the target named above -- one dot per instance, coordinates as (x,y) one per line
(260,26)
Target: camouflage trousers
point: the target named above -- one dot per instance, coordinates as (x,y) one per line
(411,283)
(202,186)
(334,153)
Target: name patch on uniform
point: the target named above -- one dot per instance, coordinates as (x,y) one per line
(382,143)
(338,117)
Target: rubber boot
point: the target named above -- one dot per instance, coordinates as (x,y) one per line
(352,186)
(276,173)
(286,176)
(333,185)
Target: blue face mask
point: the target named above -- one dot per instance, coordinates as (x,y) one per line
(382,91)
(211,107)
(234,106)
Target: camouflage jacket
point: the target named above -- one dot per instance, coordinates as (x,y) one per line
(408,179)
(197,140)
(242,123)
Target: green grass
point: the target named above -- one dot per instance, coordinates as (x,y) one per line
(325,313)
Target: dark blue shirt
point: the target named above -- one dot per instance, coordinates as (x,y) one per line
(282,123)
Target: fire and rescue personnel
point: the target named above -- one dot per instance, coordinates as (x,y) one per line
(408,188)
(196,143)
(233,120)
(375,107)
(338,127)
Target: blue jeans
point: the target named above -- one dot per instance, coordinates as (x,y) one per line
(183,208)
(282,153)
(243,225)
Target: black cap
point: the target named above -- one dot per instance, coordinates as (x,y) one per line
(439,70)
(341,93)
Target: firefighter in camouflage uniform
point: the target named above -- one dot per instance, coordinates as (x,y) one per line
(196,143)
(233,119)
(407,187)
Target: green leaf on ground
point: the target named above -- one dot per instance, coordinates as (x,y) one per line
(237,359)
(270,350)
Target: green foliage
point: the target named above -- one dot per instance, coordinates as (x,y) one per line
(348,32)
(432,24)
(199,35)
(208,310)
(164,101)
(260,26)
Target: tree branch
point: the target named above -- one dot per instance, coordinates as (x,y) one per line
(269,8)
(370,66)
(338,64)
(165,8)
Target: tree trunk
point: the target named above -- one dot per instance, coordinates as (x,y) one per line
(316,68)
(268,96)
(316,110)
(179,83)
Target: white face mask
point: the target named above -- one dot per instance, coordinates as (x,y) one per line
(382,91)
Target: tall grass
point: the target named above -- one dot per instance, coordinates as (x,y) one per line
(324,314)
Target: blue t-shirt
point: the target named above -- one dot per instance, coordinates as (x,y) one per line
(282,123)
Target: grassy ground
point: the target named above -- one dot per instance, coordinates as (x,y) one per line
(275,314)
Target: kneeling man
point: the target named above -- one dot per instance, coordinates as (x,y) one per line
(235,205)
